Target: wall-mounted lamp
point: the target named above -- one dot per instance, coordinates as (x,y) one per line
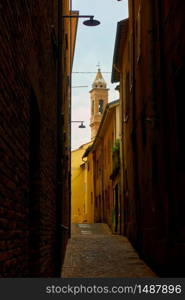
(90,22)
(81,125)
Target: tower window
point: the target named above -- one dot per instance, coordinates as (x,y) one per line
(100,106)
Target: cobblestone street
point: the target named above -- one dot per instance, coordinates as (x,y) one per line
(94,252)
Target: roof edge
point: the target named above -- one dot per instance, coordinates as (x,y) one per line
(121,35)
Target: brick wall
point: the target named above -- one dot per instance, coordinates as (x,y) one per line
(27,139)
(156,208)
(173,71)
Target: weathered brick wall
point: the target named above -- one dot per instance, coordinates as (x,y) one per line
(28,74)
(156,135)
(173,71)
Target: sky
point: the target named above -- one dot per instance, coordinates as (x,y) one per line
(94,45)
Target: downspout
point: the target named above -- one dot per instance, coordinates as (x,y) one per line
(102,181)
(152,37)
(59,178)
(94,185)
(70,95)
(132,92)
(137,239)
(164,124)
(153,119)
(86,188)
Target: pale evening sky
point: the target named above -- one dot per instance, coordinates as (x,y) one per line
(93,45)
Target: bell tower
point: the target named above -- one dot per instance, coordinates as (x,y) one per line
(99,100)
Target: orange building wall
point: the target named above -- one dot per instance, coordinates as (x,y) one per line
(152,135)
(101,159)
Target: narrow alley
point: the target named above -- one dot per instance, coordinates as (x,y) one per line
(92,133)
(94,252)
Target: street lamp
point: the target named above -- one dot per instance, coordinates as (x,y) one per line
(90,22)
(81,125)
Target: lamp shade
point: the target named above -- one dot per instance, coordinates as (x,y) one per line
(91,22)
(81,125)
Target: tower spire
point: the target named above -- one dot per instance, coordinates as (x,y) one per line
(99,81)
(99,100)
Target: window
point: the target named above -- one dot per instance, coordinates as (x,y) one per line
(66,41)
(92,108)
(127,99)
(97,167)
(138,35)
(105,156)
(131,58)
(100,106)
(91,197)
(34,183)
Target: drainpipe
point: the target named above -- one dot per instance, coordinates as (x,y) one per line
(138,211)
(59,179)
(102,180)
(164,127)
(152,37)
(70,95)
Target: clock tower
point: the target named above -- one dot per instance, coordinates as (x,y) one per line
(99,100)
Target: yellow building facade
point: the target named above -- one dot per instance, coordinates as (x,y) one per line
(96,165)
(82,181)
(121,74)
(103,175)
(66,49)
(81,208)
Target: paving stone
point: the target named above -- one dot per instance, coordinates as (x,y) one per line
(98,253)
